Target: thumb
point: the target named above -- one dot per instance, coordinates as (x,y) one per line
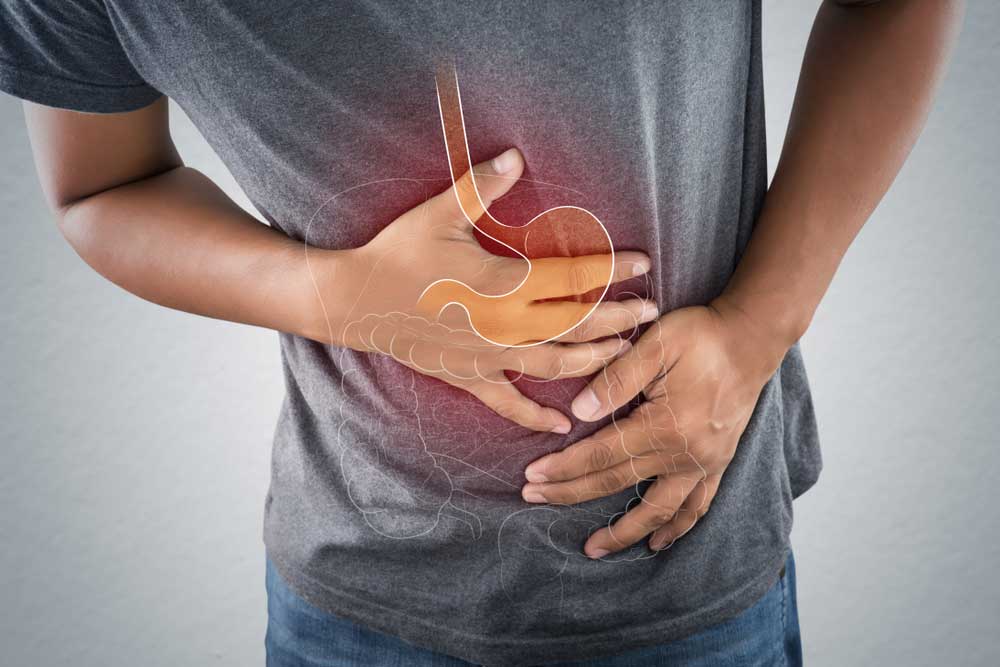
(496,177)
(501,396)
(476,191)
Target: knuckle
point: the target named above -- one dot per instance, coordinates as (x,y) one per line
(575,356)
(553,365)
(599,457)
(615,387)
(476,364)
(622,316)
(569,361)
(708,456)
(580,278)
(584,330)
(506,358)
(662,513)
(565,494)
(506,409)
(612,480)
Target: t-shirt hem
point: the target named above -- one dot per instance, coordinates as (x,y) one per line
(511,651)
(802,484)
(74,95)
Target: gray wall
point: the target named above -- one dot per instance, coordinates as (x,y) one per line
(136,440)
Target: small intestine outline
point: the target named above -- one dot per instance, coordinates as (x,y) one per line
(407,512)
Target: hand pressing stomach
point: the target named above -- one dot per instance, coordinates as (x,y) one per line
(435,241)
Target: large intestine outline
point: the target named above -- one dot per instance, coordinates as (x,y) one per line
(402,511)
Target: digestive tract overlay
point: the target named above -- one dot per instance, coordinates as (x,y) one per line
(415,505)
(539,237)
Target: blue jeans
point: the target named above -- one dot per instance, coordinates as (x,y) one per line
(300,635)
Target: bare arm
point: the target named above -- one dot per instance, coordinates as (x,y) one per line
(864,92)
(866,86)
(168,234)
(161,230)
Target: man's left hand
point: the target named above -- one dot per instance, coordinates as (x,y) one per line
(700,370)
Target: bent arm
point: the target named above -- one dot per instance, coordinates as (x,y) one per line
(165,232)
(863,95)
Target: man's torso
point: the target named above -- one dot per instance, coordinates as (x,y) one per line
(395,499)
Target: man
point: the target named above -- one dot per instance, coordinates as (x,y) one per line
(437,498)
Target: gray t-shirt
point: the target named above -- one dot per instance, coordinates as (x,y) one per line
(394,499)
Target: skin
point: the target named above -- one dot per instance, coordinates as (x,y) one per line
(375,303)
(503,296)
(516,317)
(165,232)
(864,92)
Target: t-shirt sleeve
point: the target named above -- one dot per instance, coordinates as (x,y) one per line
(65,53)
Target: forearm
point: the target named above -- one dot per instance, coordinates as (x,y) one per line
(177,240)
(864,92)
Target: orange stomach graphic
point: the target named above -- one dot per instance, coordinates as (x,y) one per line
(559,231)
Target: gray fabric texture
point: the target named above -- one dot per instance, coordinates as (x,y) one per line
(394,499)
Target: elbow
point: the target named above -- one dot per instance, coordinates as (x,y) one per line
(77,227)
(89,228)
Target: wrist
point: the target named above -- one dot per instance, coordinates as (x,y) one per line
(330,292)
(777,314)
(766,331)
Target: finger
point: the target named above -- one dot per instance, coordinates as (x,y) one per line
(494,178)
(502,397)
(553,277)
(629,264)
(553,360)
(622,381)
(612,445)
(608,319)
(594,485)
(509,321)
(473,192)
(657,507)
(694,507)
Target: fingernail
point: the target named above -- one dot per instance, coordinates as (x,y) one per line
(656,545)
(625,347)
(640,268)
(650,311)
(532,494)
(561,428)
(506,161)
(533,473)
(598,553)
(586,405)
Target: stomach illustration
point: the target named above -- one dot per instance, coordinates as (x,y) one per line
(562,231)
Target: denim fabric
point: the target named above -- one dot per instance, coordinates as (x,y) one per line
(300,635)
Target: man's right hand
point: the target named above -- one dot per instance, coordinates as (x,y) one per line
(169,235)
(371,301)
